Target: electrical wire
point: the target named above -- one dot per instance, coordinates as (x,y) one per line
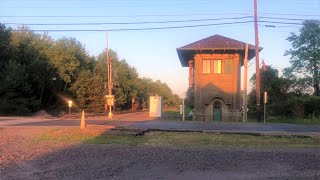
(152,22)
(155,28)
(125,23)
(280,18)
(115,16)
(292,14)
(135,29)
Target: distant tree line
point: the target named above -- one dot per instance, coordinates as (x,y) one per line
(38,72)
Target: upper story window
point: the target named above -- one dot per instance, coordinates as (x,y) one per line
(228,66)
(217,66)
(206,66)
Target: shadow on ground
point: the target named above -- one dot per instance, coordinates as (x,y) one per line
(87,159)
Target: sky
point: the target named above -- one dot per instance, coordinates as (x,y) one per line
(153,52)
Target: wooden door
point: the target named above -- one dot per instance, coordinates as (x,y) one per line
(217,111)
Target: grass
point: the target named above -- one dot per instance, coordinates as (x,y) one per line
(175,139)
(279,119)
(174,115)
(171,115)
(311,121)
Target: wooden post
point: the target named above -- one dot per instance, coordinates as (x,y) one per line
(132,104)
(256,33)
(245,79)
(83,123)
(191,74)
(265,106)
(183,115)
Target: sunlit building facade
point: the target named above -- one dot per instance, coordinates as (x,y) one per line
(215,76)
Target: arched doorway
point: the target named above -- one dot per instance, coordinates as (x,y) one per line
(217,111)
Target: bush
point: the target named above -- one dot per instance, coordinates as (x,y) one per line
(304,106)
(294,107)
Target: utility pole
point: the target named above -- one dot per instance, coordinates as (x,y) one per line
(257,58)
(110,97)
(245,79)
(257,51)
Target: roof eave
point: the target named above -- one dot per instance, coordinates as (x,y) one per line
(225,49)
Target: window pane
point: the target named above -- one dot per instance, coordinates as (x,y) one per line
(217,66)
(228,66)
(206,66)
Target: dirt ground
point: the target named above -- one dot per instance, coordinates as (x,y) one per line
(22,158)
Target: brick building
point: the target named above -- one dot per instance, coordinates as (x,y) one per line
(215,76)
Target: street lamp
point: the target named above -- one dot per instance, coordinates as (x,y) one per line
(70,106)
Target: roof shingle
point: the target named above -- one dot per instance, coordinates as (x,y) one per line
(215,42)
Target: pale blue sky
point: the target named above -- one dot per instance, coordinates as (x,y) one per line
(153,53)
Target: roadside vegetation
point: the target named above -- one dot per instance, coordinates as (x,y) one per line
(307,121)
(174,114)
(39,72)
(175,139)
(294,93)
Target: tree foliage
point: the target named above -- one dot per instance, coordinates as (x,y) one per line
(190,97)
(276,86)
(305,54)
(286,96)
(38,72)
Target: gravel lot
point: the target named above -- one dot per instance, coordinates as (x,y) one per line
(22,159)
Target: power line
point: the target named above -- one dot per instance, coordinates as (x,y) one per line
(81,5)
(153,28)
(135,29)
(155,22)
(277,22)
(149,22)
(123,23)
(292,14)
(115,16)
(160,15)
(118,4)
(280,18)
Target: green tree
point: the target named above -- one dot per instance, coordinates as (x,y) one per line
(298,85)
(5,47)
(26,74)
(68,56)
(277,88)
(38,72)
(82,88)
(190,97)
(15,93)
(305,53)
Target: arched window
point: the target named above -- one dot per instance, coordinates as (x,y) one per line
(217,105)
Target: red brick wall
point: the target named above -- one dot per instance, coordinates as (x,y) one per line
(210,86)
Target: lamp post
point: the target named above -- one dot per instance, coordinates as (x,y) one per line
(70,106)
(183,112)
(132,104)
(183,106)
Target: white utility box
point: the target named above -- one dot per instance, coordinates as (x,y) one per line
(155,106)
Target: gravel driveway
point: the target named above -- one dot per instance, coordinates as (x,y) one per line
(125,162)
(22,160)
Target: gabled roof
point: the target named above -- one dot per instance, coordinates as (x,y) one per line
(213,43)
